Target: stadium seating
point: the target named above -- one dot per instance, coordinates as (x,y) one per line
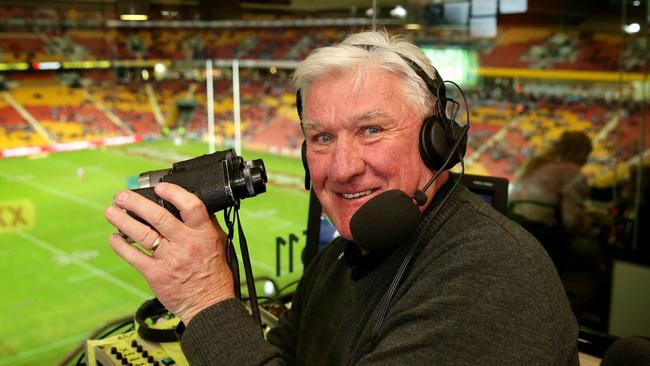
(503,137)
(519,47)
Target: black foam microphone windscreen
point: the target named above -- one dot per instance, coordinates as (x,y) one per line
(629,351)
(385,221)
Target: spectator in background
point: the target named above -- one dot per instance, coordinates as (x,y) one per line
(633,211)
(548,197)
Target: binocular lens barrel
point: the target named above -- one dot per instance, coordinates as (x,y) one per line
(220,180)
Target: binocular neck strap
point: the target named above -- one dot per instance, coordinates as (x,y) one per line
(234,264)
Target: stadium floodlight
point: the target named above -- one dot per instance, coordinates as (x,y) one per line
(14,66)
(168,14)
(46,65)
(369,12)
(132,10)
(632,28)
(133,17)
(159,71)
(159,67)
(398,12)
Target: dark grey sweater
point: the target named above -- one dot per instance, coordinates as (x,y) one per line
(480,291)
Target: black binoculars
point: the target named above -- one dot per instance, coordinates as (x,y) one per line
(219,179)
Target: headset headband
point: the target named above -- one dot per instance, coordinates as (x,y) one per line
(436,85)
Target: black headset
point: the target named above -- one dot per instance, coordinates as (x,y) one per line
(438,134)
(151,309)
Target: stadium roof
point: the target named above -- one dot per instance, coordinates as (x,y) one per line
(595,14)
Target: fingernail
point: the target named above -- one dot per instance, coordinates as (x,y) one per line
(121,196)
(111,211)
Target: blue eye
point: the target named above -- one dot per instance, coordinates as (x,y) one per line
(323,138)
(371,130)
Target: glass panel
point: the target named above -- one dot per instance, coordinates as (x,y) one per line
(88,103)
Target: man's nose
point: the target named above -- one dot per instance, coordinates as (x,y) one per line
(346,163)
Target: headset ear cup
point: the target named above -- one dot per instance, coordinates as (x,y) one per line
(434,148)
(303,155)
(436,143)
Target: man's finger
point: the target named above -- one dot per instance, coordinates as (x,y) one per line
(157,216)
(132,255)
(129,227)
(192,209)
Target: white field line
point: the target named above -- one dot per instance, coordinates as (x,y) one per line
(88,267)
(87,276)
(278,222)
(56,192)
(38,350)
(84,202)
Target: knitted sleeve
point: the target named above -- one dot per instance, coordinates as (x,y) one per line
(225,334)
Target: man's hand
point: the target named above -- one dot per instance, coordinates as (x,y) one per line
(188,270)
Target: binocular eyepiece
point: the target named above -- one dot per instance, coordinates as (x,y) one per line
(219,179)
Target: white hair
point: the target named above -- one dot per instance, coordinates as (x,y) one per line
(354,55)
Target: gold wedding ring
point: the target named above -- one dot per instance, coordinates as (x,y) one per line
(156,243)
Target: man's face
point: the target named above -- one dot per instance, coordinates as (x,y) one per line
(362,139)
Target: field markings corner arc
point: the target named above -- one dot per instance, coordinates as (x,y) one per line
(88,267)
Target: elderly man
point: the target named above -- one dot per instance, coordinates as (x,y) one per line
(463,286)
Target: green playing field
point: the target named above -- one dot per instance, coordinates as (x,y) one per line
(60,278)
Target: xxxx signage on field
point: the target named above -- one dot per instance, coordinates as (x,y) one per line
(16,215)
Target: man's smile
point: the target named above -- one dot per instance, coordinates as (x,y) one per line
(350,196)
